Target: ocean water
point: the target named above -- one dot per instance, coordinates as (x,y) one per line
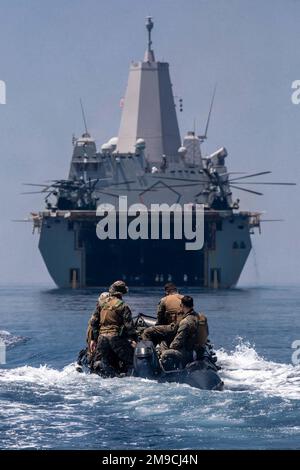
(46,404)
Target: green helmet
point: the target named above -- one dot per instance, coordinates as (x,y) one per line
(118,286)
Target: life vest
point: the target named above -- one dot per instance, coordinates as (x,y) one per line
(202,330)
(172,305)
(111,319)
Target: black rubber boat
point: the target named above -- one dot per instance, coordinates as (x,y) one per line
(201,373)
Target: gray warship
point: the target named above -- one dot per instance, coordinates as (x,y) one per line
(149,163)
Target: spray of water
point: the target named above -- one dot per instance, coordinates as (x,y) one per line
(244,369)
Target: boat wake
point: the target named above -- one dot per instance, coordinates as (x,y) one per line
(243,369)
(42,407)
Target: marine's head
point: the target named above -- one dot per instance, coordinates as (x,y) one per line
(118,287)
(187,303)
(170,288)
(102,298)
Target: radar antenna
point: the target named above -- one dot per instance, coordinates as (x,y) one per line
(149,26)
(204,137)
(84,119)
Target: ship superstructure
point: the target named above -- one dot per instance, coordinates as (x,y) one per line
(148,163)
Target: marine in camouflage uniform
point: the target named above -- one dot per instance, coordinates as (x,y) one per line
(168,315)
(186,340)
(169,308)
(111,326)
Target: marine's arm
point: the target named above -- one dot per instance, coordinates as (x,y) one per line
(128,322)
(183,332)
(161,313)
(93,325)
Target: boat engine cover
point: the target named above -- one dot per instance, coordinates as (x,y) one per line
(145,360)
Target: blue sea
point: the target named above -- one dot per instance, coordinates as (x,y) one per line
(46,404)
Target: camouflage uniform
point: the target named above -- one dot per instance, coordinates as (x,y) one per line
(169,309)
(112,327)
(185,341)
(168,315)
(160,334)
(95,318)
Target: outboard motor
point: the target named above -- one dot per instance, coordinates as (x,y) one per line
(145,360)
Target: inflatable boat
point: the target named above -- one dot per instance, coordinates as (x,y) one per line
(201,373)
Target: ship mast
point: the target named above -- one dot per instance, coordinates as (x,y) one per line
(149,111)
(149,54)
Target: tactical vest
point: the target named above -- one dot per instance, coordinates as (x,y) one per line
(111,319)
(172,304)
(202,330)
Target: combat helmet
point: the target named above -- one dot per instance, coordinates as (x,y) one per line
(118,287)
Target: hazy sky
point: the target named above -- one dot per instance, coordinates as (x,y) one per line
(54,52)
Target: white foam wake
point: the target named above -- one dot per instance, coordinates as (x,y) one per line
(244,369)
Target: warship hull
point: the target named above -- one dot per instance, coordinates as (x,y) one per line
(147,164)
(76,257)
